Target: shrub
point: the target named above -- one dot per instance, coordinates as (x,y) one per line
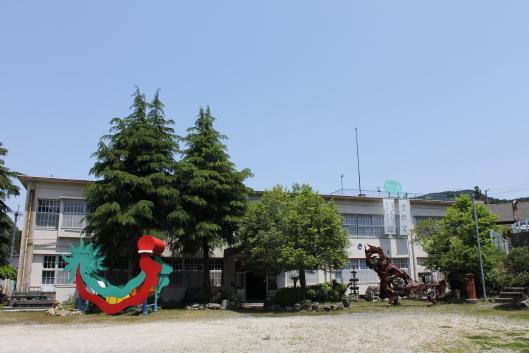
(195,296)
(520,279)
(517,261)
(289,296)
(306,304)
(311,294)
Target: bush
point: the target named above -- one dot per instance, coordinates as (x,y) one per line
(517,261)
(311,294)
(306,304)
(289,296)
(195,296)
(519,279)
(325,292)
(8,272)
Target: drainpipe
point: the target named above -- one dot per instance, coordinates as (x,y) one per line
(26,245)
(414,259)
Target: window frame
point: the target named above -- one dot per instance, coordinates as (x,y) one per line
(80,214)
(43,208)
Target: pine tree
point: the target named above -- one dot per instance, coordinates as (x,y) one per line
(134,193)
(212,191)
(7,189)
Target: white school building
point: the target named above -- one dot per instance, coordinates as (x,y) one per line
(54,218)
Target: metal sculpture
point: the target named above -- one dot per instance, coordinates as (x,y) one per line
(395,282)
(86,263)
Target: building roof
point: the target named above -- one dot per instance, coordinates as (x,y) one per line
(505,212)
(374,198)
(25,179)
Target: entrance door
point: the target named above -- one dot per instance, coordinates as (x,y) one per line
(255,287)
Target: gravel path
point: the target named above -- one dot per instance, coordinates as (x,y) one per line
(373,332)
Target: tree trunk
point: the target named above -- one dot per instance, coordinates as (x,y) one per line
(302,279)
(206,286)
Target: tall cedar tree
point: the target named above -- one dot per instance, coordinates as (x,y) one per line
(135,192)
(212,193)
(7,189)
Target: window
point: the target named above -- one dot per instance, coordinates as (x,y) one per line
(48,277)
(311,277)
(215,278)
(47,213)
(366,226)
(358,225)
(425,277)
(363,273)
(176,263)
(215,264)
(49,262)
(419,219)
(74,212)
(401,262)
(193,264)
(53,271)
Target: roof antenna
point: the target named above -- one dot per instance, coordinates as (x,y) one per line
(358,164)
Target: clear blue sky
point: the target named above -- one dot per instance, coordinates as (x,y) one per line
(438,90)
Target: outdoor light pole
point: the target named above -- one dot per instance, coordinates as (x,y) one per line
(341,182)
(476,227)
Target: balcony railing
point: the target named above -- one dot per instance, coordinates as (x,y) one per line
(384,194)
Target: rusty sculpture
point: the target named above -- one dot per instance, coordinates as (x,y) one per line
(395,282)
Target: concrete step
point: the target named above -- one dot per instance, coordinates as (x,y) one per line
(504,300)
(17,310)
(252,305)
(514,289)
(514,295)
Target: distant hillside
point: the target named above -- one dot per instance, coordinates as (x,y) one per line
(451,195)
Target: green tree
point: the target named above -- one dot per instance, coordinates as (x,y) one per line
(298,230)
(213,194)
(451,242)
(7,189)
(135,189)
(515,269)
(8,272)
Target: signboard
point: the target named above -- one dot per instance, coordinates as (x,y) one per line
(404,217)
(389,216)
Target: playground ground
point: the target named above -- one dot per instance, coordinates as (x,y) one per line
(366,327)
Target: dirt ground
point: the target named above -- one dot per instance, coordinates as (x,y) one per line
(383,331)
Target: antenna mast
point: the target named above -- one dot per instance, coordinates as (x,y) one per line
(358,164)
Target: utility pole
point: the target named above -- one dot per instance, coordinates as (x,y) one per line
(13,236)
(341,182)
(476,227)
(358,163)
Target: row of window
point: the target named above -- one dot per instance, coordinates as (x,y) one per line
(363,273)
(372,226)
(195,263)
(73,213)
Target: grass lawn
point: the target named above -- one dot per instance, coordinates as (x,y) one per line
(407,306)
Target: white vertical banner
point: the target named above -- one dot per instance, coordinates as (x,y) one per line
(404,217)
(389,216)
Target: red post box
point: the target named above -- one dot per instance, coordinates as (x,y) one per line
(471,288)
